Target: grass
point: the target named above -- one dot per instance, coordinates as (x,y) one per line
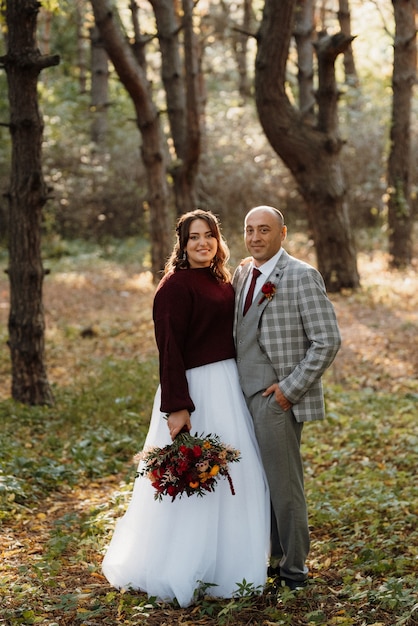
(74,459)
(91,431)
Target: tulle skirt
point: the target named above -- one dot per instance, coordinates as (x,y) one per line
(171,550)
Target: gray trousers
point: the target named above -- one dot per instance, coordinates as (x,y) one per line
(279,437)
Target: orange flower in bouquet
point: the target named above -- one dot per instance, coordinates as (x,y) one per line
(191,465)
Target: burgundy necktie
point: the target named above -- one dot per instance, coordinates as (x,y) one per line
(250,294)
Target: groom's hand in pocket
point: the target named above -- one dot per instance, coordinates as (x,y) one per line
(278,395)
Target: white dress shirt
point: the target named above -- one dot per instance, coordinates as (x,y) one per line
(265,269)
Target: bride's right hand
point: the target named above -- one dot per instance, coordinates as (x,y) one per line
(177,421)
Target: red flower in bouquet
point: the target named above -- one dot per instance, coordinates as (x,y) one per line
(268,290)
(191,465)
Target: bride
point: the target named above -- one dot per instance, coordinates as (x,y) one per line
(175,550)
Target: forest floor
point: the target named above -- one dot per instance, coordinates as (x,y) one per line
(105,310)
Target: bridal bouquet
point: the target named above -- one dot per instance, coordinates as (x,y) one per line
(190,465)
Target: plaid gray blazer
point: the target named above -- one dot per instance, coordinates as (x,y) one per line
(297,330)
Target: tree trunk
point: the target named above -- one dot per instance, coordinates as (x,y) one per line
(344,19)
(182,87)
(27,196)
(99,87)
(194,110)
(311,154)
(139,43)
(327,49)
(82,43)
(240,44)
(399,163)
(304,33)
(153,153)
(228,26)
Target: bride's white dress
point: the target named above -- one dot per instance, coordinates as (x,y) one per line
(170,549)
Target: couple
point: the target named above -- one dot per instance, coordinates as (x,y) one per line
(244,361)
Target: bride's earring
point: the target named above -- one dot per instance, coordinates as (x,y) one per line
(184,257)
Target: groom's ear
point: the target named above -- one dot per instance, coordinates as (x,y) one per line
(247,259)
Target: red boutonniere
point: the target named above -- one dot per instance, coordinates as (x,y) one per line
(268,290)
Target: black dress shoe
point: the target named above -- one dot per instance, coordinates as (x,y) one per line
(282,581)
(293,585)
(273,572)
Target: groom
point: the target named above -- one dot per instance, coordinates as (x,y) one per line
(286,336)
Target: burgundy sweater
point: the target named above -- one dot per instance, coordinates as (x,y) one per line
(193,319)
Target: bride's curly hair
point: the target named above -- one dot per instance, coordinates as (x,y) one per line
(178,259)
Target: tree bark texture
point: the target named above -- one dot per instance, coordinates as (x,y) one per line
(99,87)
(311,153)
(304,33)
(27,196)
(194,109)
(327,49)
(344,18)
(133,78)
(399,162)
(181,78)
(82,44)
(240,46)
(139,43)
